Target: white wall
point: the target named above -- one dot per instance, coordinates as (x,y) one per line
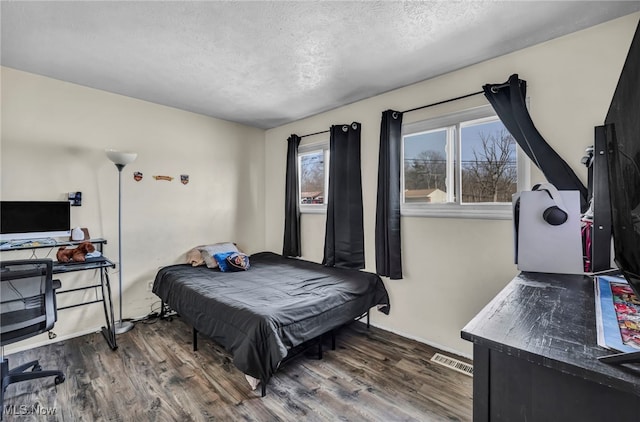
(53,139)
(453,267)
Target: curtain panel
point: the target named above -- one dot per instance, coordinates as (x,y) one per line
(291,244)
(508,100)
(388,242)
(344,234)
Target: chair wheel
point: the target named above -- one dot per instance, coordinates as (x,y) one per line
(36,368)
(59,379)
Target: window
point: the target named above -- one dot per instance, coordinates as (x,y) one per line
(313,174)
(462,165)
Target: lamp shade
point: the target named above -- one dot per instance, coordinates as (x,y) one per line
(120,157)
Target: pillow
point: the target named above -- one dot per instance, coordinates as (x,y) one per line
(208,251)
(238,262)
(232,261)
(194,257)
(221,259)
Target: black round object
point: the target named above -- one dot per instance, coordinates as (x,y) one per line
(554,216)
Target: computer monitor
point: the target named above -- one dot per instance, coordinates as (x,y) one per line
(622,126)
(622,129)
(34,219)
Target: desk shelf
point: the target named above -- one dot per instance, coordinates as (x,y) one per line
(39,244)
(108,331)
(62,267)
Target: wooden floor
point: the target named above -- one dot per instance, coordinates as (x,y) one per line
(373,375)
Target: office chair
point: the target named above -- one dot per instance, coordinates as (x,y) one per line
(27,308)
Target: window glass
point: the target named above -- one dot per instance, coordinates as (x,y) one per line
(489,169)
(425,167)
(464,164)
(312,178)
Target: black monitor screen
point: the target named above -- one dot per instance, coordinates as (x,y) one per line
(24,219)
(623,145)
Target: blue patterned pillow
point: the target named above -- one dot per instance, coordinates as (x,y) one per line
(232,261)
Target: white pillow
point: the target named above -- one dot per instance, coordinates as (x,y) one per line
(208,251)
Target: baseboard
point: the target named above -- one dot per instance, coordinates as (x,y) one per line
(427,342)
(99,329)
(52,341)
(63,338)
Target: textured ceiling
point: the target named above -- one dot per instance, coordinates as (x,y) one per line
(265,64)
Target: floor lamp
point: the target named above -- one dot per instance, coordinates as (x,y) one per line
(120,159)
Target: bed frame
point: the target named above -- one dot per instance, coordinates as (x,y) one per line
(266,316)
(166,313)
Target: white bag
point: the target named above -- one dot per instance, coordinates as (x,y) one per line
(547,230)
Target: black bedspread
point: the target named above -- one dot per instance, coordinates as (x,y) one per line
(279,303)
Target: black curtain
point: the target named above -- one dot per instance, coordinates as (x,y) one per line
(508,100)
(388,253)
(344,235)
(291,244)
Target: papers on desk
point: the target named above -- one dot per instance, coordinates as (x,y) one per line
(617,314)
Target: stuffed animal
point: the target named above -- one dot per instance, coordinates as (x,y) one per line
(77,254)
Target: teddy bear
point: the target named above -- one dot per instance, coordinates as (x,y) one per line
(77,254)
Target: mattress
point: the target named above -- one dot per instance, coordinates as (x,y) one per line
(260,314)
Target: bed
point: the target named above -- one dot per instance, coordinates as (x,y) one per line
(261,314)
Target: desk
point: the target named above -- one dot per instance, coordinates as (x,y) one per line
(535,356)
(108,331)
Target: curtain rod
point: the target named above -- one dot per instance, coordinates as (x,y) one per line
(494,89)
(317,133)
(443,102)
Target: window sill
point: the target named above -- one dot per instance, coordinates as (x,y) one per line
(487,212)
(313,209)
(484,212)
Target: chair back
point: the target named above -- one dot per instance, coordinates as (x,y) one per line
(27,299)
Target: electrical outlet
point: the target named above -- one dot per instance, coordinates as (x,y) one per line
(150,286)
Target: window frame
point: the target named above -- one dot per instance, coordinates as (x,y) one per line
(307,150)
(453,123)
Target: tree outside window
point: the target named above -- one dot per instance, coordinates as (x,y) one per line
(489,165)
(313,170)
(466,161)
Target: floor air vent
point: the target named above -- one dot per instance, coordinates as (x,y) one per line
(454,364)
